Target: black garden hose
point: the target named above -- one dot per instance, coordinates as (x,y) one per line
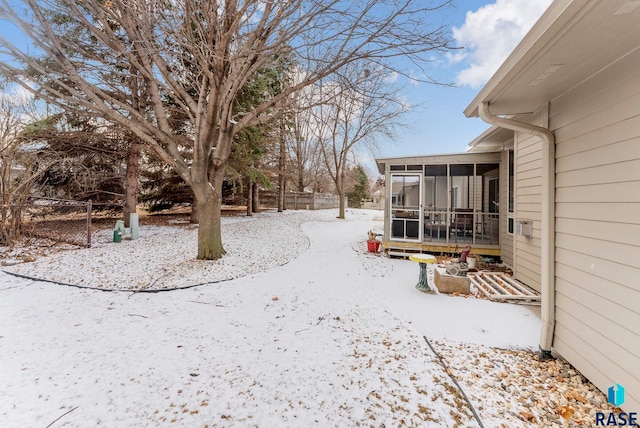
(446,369)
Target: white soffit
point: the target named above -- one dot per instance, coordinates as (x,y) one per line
(572,41)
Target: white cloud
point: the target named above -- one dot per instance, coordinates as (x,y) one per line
(392,77)
(489,34)
(16,94)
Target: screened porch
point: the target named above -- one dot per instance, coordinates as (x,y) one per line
(445,203)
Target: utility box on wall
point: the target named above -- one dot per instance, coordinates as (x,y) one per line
(524,228)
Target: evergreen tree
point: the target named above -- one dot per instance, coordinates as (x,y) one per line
(224,44)
(360,189)
(86,158)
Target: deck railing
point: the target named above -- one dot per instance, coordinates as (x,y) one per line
(461,226)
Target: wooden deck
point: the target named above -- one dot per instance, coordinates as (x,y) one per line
(405,249)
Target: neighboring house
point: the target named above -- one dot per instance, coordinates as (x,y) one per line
(565,106)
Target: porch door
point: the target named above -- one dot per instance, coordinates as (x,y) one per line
(406,207)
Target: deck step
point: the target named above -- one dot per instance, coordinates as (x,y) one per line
(402,252)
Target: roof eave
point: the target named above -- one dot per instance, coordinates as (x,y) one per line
(546,28)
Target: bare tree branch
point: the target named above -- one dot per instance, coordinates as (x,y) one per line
(195,58)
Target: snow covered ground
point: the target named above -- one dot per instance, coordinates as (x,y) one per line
(310,330)
(164,256)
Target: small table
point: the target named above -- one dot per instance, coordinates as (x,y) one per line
(423,260)
(436,229)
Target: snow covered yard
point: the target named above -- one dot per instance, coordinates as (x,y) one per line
(164,256)
(313,331)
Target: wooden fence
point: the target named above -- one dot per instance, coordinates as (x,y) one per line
(311,201)
(301,200)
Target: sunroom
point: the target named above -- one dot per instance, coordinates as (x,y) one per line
(442,202)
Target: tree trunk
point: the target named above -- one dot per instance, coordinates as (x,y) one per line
(193,219)
(255,200)
(281,167)
(340,189)
(342,207)
(281,194)
(209,205)
(131,181)
(300,165)
(249,191)
(4,209)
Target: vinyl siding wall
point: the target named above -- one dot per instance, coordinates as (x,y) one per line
(528,203)
(597,128)
(506,239)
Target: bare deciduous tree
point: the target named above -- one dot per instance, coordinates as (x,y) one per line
(363,108)
(195,58)
(20,165)
(304,154)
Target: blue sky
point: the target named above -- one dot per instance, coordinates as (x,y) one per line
(487,31)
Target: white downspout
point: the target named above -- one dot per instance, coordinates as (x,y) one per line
(547,306)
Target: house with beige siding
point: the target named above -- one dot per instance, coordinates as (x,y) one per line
(570,94)
(565,114)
